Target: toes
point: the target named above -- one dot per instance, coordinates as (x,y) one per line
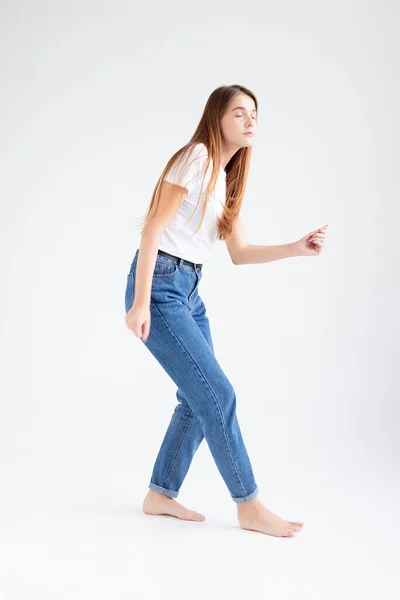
(291,529)
(288,533)
(295,527)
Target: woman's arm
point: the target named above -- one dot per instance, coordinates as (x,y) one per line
(243,253)
(171,196)
(252,254)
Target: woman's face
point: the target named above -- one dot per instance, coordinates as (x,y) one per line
(240,118)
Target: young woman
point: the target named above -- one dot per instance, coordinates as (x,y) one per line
(197,201)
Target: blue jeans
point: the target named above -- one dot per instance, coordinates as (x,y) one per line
(180,340)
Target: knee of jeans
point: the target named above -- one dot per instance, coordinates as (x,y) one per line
(183,410)
(227,395)
(183,403)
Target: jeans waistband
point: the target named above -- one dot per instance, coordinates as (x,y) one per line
(178,258)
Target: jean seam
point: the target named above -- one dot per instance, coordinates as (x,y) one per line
(210,389)
(173,461)
(190,298)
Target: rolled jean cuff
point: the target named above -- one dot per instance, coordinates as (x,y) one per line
(246,498)
(161,490)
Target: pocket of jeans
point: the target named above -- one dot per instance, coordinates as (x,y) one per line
(164,268)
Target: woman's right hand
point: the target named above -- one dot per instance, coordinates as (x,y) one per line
(137,320)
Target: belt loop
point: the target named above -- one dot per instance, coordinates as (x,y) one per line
(180,263)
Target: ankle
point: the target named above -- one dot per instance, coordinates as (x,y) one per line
(157,495)
(243,507)
(153,494)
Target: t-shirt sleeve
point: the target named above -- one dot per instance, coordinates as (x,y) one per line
(185,171)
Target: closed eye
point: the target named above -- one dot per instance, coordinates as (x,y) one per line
(255,118)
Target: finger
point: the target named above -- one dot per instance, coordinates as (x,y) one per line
(316,247)
(321,230)
(146,329)
(318,234)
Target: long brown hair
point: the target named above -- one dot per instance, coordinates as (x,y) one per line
(209,133)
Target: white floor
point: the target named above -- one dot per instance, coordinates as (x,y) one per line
(94,546)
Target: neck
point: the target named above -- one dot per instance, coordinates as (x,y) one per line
(227,151)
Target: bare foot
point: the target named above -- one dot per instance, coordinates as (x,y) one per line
(254,516)
(160,504)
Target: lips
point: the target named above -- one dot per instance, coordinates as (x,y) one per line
(248,133)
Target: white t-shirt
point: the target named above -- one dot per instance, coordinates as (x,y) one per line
(188,172)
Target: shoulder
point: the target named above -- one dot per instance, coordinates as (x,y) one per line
(195,157)
(197,151)
(185,171)
(200,148)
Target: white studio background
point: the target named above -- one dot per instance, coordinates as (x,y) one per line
(95,98)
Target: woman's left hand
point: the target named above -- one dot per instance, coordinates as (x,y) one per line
(311,243)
